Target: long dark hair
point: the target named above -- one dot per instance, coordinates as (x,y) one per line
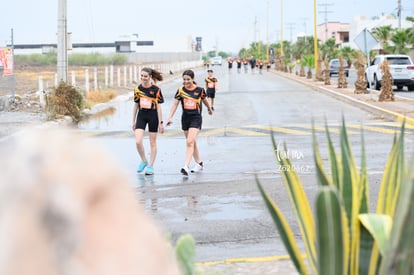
(190,73)
(153,73)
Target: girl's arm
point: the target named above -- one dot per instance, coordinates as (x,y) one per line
(207,103)
(172,111)
(134,116)
(160,122)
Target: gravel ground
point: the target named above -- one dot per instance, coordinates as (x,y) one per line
(14,121)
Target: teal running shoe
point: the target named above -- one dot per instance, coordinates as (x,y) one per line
(149,171)
(142,166)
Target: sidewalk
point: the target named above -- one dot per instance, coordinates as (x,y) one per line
(400,109)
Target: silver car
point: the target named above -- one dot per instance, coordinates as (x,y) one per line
(334,67)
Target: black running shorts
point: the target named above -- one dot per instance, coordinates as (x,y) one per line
(211,93)
(149,117)
(191,121)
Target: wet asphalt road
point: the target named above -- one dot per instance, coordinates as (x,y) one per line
(221,206)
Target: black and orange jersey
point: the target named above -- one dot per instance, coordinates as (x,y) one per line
(148,97)
(191,99)
(230,63)
(211,82)
(239,63)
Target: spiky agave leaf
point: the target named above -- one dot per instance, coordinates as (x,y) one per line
(322,178)
(379,226)
(394,171)
(285,231)
(185,254)
(300,203)
(332,233)
(399,251)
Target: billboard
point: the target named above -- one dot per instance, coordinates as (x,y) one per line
(6,59)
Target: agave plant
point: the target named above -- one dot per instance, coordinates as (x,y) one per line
(185,254)
(344,236)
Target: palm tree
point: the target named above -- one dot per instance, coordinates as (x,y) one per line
(329,49)
(401,40)
(348,54)
(383,35)
(304,46)
(309,62)
(410,31)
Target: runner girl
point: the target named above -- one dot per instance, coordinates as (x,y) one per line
(230,63)
(191,96)
(147,98)
(211,85)
(239,64)
(245,65)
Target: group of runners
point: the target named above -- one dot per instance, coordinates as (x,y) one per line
(147,111)
(247,63)
(244,64)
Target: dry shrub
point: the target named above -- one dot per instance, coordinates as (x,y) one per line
(65,100)
(98,96)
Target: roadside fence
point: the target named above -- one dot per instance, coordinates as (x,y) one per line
(86,79)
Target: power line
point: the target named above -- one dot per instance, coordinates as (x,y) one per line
(290,27)
(326,11)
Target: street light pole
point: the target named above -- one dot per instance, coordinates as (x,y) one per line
(62,53)
(267,32)
(315,37)
(281,28)
(399,15)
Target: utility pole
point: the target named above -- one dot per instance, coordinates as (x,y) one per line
(62,42)
(304,25)
(281,29)
(326,18)
(258,43)
(399,15)
(315,37)
(290,27)
(267,31)
(13,79)
(255,30)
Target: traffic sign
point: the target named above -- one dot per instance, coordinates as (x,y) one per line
(365,41)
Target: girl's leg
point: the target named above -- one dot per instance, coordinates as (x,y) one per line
(196,154)
(139,135)
(191,136)
(153,146)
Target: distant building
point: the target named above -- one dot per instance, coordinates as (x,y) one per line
(345,33)
(123,44)
(338,31)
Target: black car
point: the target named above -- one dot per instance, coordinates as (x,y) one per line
(334,67)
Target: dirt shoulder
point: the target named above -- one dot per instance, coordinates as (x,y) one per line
(26,110)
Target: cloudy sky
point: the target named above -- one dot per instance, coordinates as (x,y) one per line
(227,24)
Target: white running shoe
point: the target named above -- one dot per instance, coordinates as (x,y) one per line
(184,171)
(198,167)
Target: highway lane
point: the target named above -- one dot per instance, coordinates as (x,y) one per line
(221,206)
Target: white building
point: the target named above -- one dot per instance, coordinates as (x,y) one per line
(361,22)
(122,44)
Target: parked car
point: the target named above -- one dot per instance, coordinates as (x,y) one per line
(217,60)
(334,67)
(401,69)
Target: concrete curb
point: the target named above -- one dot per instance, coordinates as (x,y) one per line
(384,113)
(246,260)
